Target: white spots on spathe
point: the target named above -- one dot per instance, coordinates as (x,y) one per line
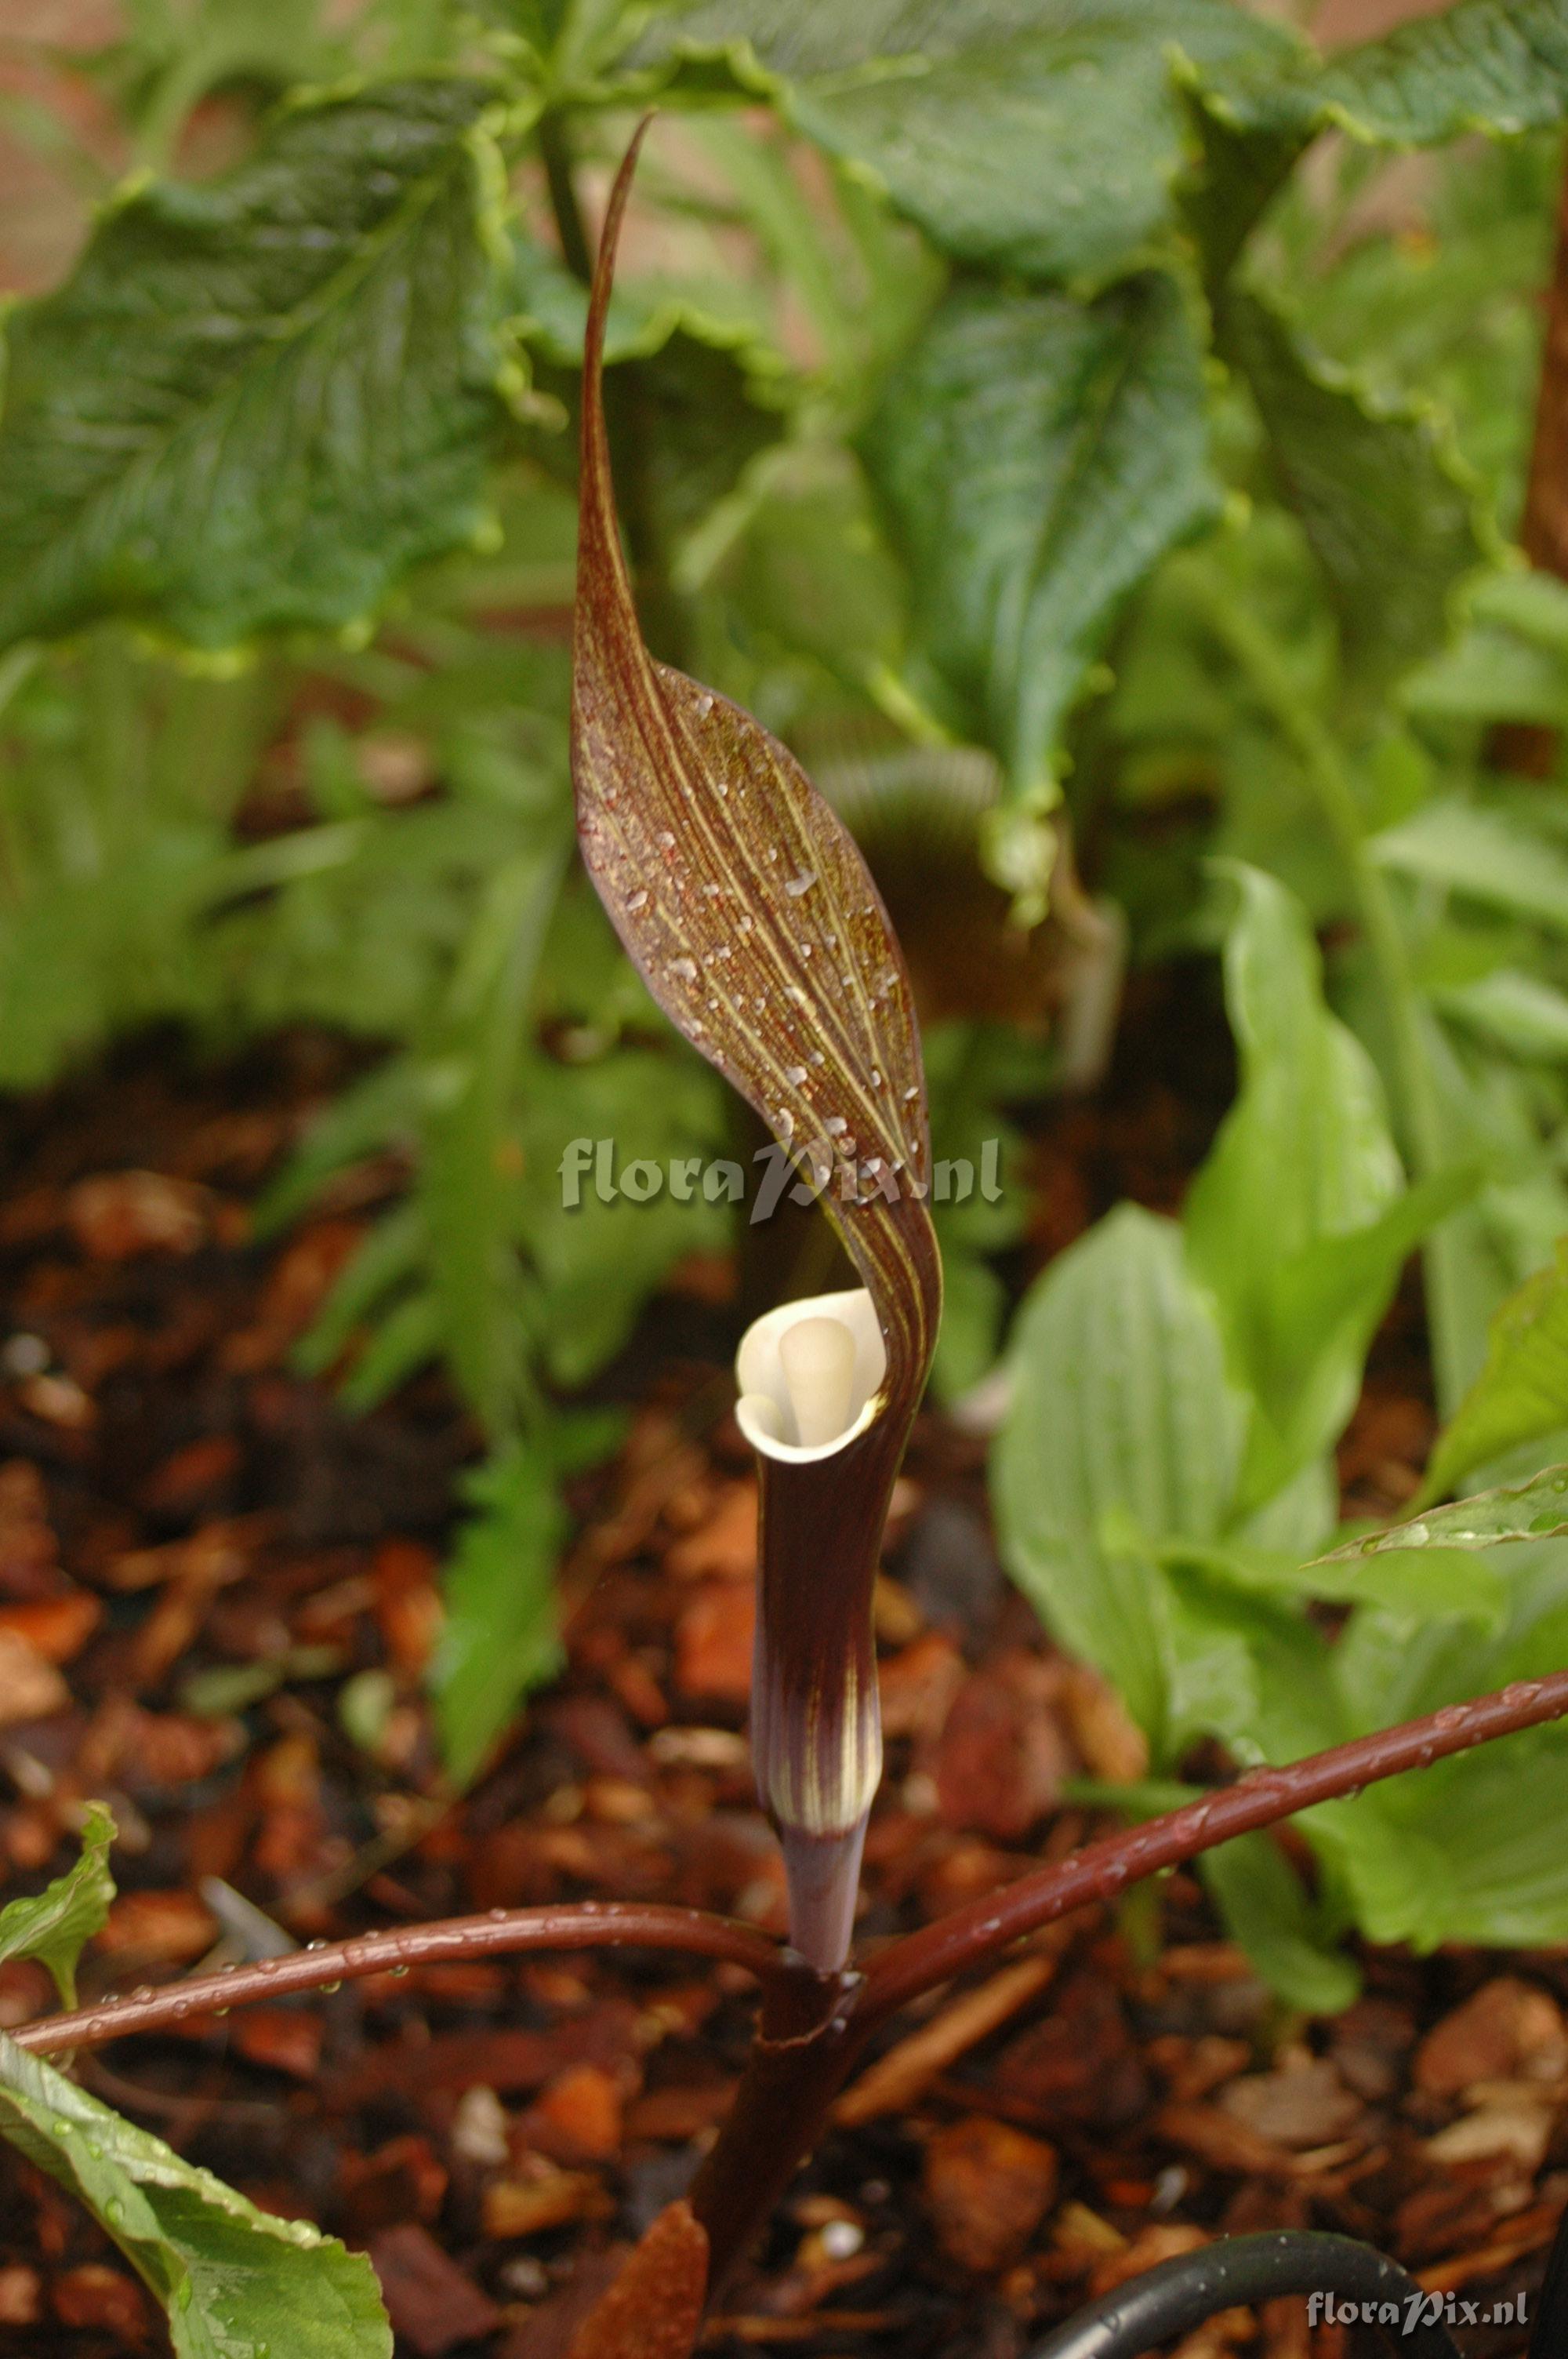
(910,1095)
(723,951)
(796,885)
(721,787)
(773,852)
(704,705)
(818,1058)
(637,901)
(795,1075)
(684,968)
(831,941)
(876,1079)
(793,991)
(665,840)
(835,1126)
(713,891)
(746,924)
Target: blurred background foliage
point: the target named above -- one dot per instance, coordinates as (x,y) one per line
(1099,453)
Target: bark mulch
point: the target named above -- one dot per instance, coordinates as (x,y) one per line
(218,1595)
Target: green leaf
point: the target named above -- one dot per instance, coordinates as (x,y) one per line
(54,1926)
(1265,1910)
(1121,1423)
(1415,1585)
(235,2282)
(1040,137)
(1035,457)
(1499,65)
(1536,1510)
(500,1635)
(1483,856)
(1393,515)
(256,402)
(1517,1012)
(1296,1222)
(1522,1391)
(1467,1852)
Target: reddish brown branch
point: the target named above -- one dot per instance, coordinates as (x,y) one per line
(976,1933)
(585,1925)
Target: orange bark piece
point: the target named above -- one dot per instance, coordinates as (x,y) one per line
(101,2299)
(30,1686)
(713,1642)
(583,2108)
(988,2187)
(118,1214)
(523,2206)
(54,1627)
(895,2080)
(287,2040)
(1507,2030)
(654,2310)
(175,1926)
(724,1545)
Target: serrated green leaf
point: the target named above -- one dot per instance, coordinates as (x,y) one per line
(1499,65)
(235,2282)
(501,1637)
(1522,1391)
(1121,1423)
(255,403)
(1034,135)
(1393,517)
(53,1926)
(1536,1510)
(1035,457)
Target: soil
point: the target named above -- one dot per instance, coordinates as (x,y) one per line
(218,1595)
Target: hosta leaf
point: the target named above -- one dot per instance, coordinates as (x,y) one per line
(1121,1423)
(1522,1391)
(235,2282)
(54,1926)
(1484,65)
(1391,513)
(1536,1510)
(1034,135)
(255,403)
(1035,456)
(1297,1221)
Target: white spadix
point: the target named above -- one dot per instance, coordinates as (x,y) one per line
(818,1356)
(810,1375)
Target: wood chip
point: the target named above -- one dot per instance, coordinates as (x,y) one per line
(895,2080)
(654,2310)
